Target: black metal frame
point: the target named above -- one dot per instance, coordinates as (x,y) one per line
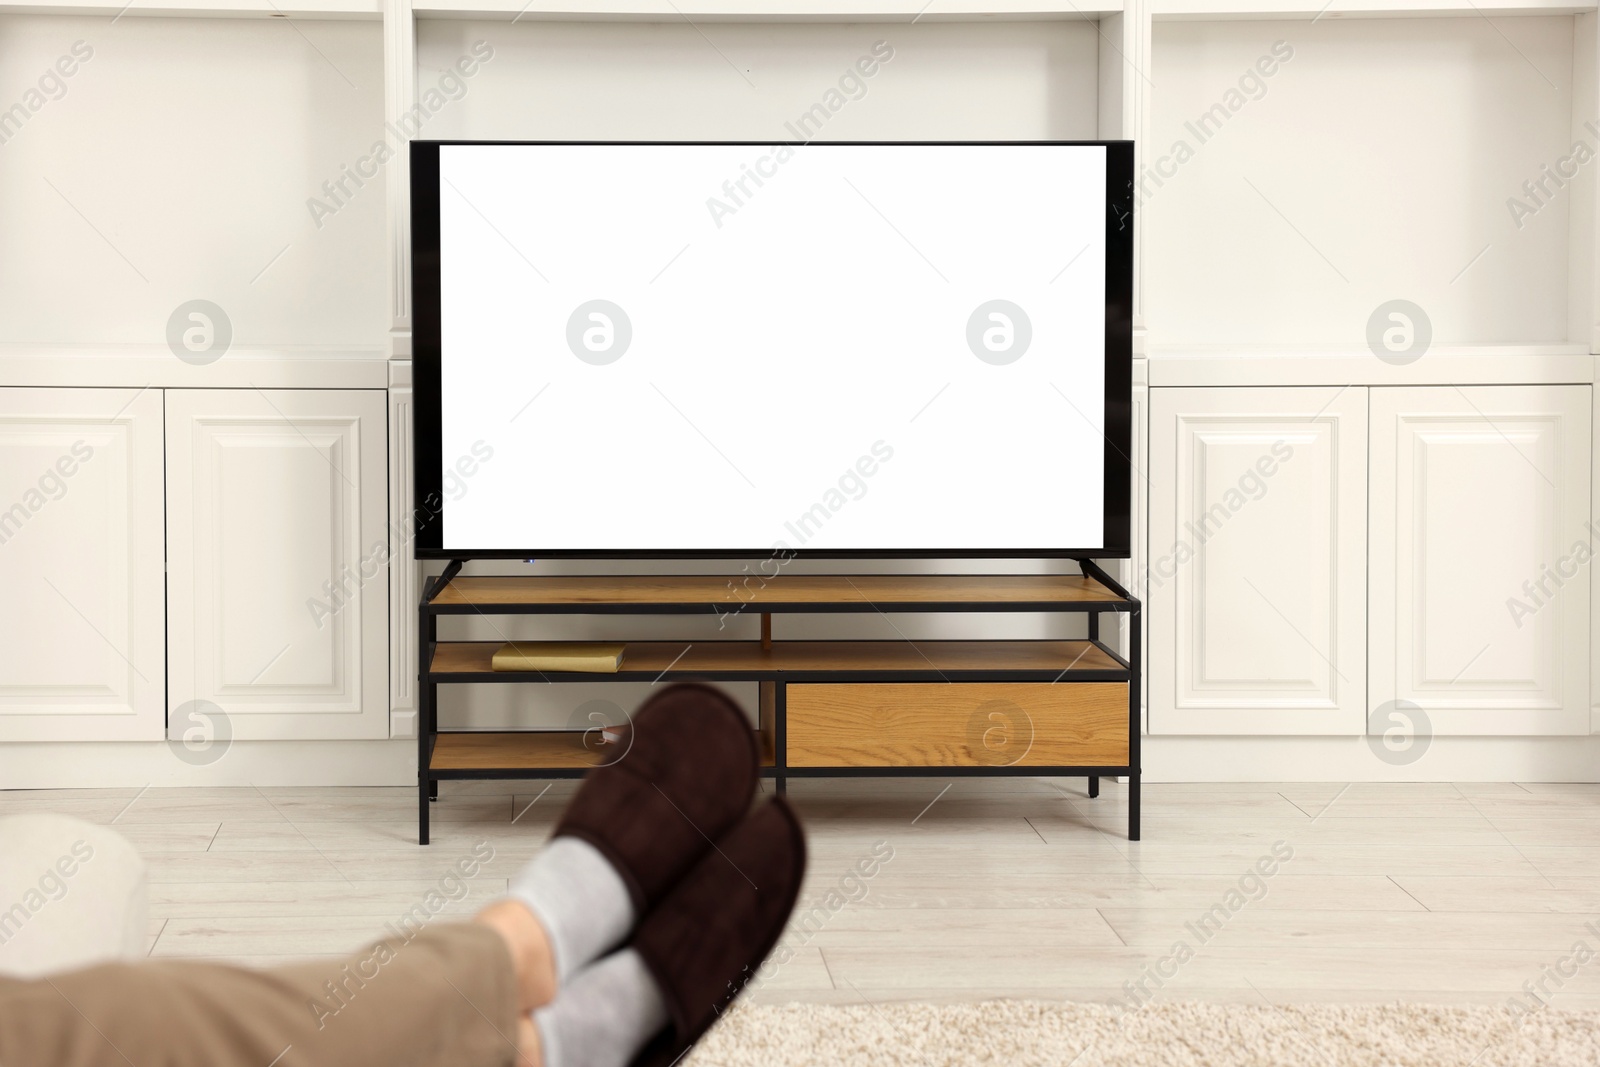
(1132,669)
(427,373)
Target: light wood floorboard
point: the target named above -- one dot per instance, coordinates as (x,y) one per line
(1446,893)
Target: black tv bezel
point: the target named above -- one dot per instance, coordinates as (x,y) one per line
(426,434)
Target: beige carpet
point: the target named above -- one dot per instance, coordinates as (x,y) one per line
(1029,1033)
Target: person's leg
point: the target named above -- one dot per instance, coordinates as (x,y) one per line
(532,955)
(451,994)
(603,1017)
(459,995)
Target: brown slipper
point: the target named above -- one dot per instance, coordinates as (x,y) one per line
(686,775)
(708,937)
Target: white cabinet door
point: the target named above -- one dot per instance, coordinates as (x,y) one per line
(278,594)
(1480,556)
(80,565)
(1257,575)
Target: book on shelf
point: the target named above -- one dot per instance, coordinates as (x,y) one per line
(583,656)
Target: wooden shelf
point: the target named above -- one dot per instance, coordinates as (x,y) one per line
(652,659)
(504,750)
(822,593)
(481,751)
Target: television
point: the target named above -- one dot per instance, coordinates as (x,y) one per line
(735,349)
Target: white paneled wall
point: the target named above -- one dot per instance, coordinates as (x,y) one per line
(1302,164)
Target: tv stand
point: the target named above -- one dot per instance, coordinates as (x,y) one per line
(1032,708)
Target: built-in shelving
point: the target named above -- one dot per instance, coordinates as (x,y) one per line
(1377,163)
(1386,150)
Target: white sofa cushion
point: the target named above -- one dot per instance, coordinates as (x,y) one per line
(71,894)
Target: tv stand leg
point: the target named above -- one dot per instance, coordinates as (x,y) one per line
(782,784)
(1135,721)
(1133,805)
(1094,786)
(433,790)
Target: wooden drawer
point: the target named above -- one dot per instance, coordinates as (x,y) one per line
(964,724)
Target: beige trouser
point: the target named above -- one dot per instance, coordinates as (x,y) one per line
(445,998)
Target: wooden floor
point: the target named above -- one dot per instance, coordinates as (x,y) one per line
(1437,893)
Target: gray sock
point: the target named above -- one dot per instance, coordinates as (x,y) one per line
(604,1016)
(579,899)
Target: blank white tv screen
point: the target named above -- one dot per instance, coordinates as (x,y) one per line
(708,348)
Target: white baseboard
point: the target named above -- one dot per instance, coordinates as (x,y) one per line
(64,764)
(87,764)
(1349,759)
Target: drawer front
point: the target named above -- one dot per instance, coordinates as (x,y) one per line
(1022,724)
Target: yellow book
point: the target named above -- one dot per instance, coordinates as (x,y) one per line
(587,657)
